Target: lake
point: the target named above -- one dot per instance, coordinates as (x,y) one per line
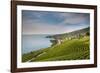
(34,42)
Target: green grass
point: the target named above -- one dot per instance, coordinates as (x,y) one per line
(75,49)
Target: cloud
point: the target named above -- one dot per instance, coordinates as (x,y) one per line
(74,18)
(42,28)
(40,22)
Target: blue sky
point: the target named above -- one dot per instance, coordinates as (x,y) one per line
(46,22)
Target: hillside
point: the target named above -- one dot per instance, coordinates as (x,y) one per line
(75,49)
(73,33)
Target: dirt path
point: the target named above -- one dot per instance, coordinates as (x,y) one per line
(36,56)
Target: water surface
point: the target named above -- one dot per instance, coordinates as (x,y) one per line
(34,42)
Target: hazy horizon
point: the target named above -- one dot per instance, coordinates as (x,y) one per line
(55,34)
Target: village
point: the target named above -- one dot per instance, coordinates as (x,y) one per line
(58,39)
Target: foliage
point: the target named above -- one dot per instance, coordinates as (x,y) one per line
(75,49)
(87,33)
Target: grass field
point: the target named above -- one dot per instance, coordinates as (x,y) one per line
(75,49)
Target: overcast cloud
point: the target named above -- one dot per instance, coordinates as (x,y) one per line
(41,22)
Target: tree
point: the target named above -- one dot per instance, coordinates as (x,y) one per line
(87,33)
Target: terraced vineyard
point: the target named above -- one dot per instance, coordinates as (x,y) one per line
(74,49)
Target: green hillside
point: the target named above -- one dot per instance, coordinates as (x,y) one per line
(74,49)
(73,33)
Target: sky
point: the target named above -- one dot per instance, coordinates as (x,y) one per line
(46,22)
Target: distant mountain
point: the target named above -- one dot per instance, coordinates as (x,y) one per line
(73,33)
